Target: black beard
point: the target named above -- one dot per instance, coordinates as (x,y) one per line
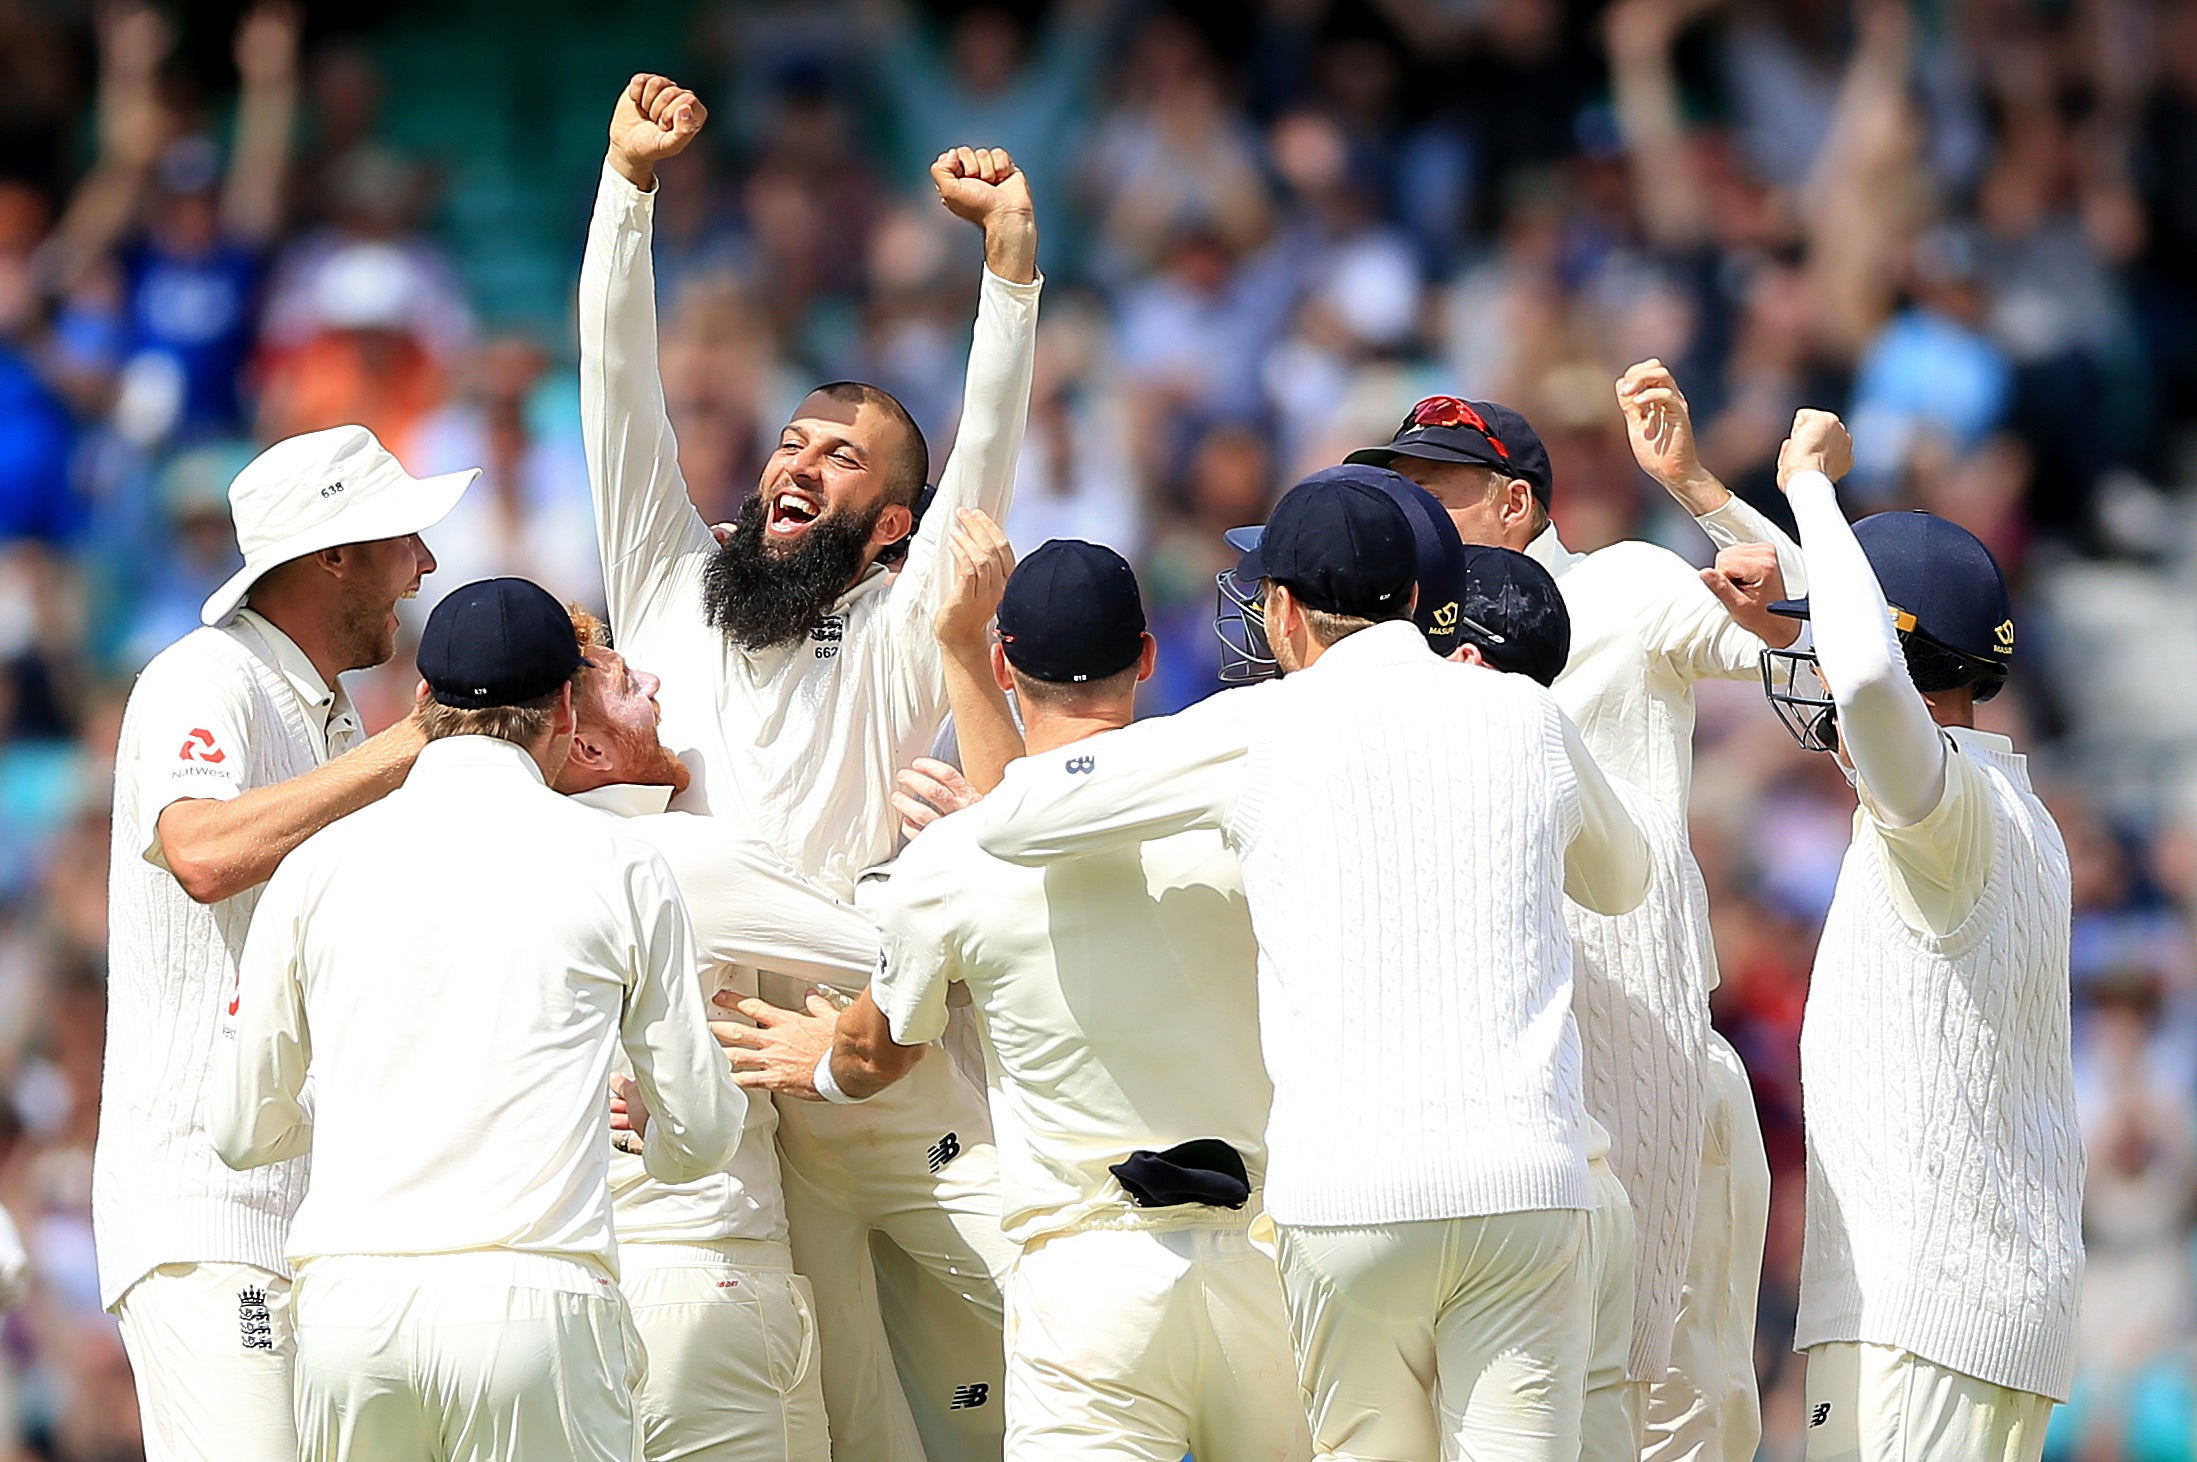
(761,599)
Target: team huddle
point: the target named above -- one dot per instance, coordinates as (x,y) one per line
(810,1017)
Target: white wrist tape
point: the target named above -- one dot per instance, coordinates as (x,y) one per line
(829,1089)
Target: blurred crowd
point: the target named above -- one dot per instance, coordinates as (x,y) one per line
(1968,225)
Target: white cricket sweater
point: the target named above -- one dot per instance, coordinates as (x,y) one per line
(799,744)
(1640,991)
(1407,830)
(218,713)
(1945,1156)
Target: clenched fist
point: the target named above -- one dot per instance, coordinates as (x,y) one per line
(1818,443)
(983,186)
(656,119)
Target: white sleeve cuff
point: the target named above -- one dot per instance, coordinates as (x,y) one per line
(829,1089)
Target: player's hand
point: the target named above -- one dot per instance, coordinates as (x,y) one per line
(656,118)
(983,186)
(628,1115)
(780,1051)
(982,560)
(1818,443)
(1747,581)
(927,790)
(1659,426)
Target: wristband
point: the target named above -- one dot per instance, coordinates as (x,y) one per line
(829,1089)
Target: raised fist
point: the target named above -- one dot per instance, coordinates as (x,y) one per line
(267,44)
(656,118)
(978,183)
(1818,443)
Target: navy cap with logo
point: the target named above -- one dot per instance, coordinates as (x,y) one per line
(1940,583)
(497,642)
(1072,613)
(1509,594)
(1440,555)
(1486,433)
(1340,542)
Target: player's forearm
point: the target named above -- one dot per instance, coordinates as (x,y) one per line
(984,724)
(1735,521)
(865,1059)
(750,909)
(219,848)
(1885,727)
(696,1113)
(259,1128)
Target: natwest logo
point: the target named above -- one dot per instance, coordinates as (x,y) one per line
(199,746)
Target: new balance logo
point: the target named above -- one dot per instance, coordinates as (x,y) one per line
(943,1151)
(969,1397)
(255,1323)
(1820,1415)
(1079,764)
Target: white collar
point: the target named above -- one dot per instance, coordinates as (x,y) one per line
(626,799)
(328,704)
(1391,642)
(1549,551)
(456,758)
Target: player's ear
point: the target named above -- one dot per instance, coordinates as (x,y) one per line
(893,524)
(1001,675)
(1148,659)
(1468,653)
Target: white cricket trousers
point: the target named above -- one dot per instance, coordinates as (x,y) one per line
(1708,1406)
(913,1168)
(1139,1345)
(483,1356)
(1876,1403)
(1446,1339)
(210,1348)
(1610,1419)
(730,1332)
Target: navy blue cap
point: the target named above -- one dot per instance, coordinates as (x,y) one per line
(1508,593)
(1440,555)
(497,642)
(1939,581)
(1451,429)
(1340,543)
(1072,613)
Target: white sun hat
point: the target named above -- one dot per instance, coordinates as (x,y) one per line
(322,490)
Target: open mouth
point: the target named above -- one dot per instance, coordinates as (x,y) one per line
(791,513)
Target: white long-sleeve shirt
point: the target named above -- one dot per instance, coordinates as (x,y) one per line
(1945,1157)
(798,743)
(219,713)
(749,911)
(1644,631)
(1407,830)
(457,967)
(1117,998)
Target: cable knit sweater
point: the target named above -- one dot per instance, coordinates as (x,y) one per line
(1407,830)
(1640,990)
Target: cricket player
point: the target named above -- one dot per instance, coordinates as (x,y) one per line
(456,968)
(800,675)
(1646,626)
(1426,1169)
(729,1326)
(1643,1024)
(238,743)
(1117,999)
(1945,1156)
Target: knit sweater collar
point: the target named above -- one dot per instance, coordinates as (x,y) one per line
(1395,642)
